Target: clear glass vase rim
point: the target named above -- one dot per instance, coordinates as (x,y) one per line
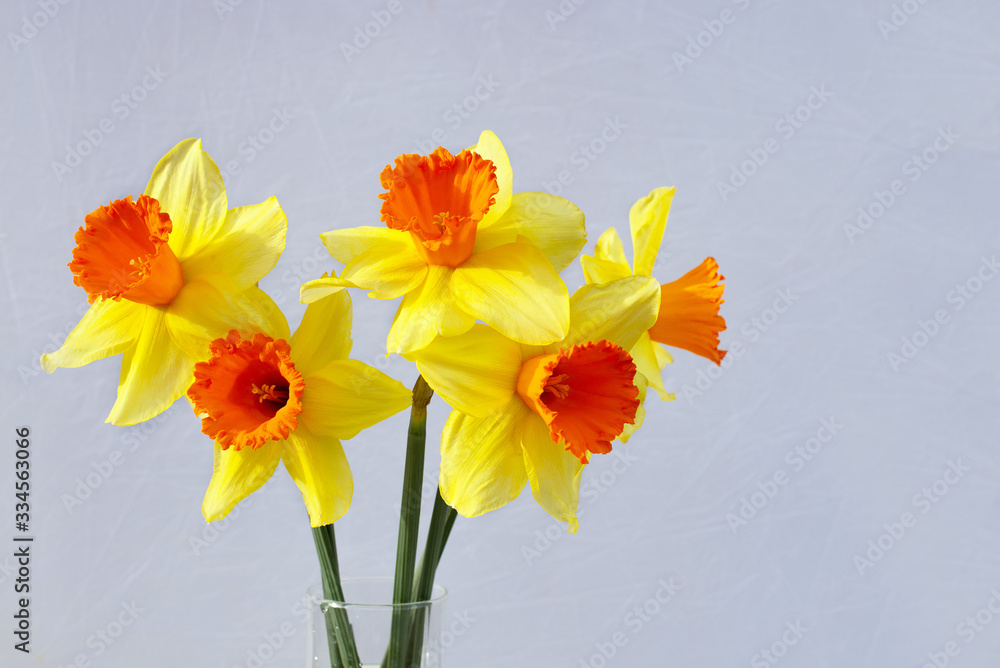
(438,595)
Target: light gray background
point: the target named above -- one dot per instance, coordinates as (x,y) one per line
(555,84)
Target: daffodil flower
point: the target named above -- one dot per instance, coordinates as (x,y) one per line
(460,246)
(536,413)
(689,307)
(166,274)
(267,398)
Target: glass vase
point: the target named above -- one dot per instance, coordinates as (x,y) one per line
(356,633)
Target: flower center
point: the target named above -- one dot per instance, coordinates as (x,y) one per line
(439,199)
(123,252)
(248,393)
(689,312)
(586,394)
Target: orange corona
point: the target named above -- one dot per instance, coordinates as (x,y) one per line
(586,394)
(123,252)
(689,312)
(439,199)
(249,392)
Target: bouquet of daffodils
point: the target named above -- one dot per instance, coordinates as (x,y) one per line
(539,381)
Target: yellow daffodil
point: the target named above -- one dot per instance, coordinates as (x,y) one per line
(459,246)
(537,413)
(689,307)
(267,398)
(166,274)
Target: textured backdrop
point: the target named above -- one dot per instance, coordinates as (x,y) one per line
(829,498)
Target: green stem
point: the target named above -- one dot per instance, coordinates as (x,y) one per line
(442,520)
(409,520)
(339,635)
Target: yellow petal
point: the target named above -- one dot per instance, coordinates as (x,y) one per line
(189,187)
(640,414)
(426,312)
(489,147)
(515,289)
(528,351)
(211,305)
(619,311)
(345,245)
(475,372)
(482,467)
(663,356)
(648,364)
(553,224)
(320,288)
(245,247)
(263,311)
(554,472)
(609,262)
(603,271)
(324,334)
(236,475)
(319,467)
(647,220)
(107,328)
(153,374)
(346,396)
(389,271)
(609,247)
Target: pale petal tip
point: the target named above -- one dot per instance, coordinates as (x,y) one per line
(310,294)
(319,517)
(47,364)
(664,395)
(212,510)
(211,514)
